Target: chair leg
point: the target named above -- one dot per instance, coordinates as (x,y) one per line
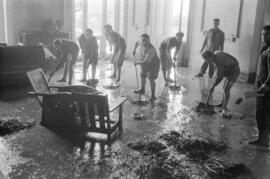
(120,119)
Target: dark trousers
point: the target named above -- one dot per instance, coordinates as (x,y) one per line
(263,113)
(205,66)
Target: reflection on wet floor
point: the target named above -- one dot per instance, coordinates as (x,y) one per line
(40,153)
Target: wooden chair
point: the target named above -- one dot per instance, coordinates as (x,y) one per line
(94,113)
(58,109)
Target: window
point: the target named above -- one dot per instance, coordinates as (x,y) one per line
(95,14)
(3,22)
(179,16)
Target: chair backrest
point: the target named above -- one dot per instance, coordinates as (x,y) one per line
(94,109)
(38,82)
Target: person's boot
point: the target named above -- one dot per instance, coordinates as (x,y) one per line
(199,75)
(140,91)
(258,140)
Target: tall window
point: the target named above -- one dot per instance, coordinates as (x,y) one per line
(95,14)
(180,13)
(3,22)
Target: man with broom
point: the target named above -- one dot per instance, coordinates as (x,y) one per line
(167,62)
(226,67)
(150,64)
(89,46)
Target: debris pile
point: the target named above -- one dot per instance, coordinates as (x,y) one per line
(174,155)
(151,147)
(13,125)
(205,109)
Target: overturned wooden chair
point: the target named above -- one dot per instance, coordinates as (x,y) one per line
(75,108)
(94,113)
(58,109)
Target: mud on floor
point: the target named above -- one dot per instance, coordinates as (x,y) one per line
(13,125)
(175,155)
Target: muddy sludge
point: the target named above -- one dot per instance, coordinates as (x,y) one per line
(13,125)
(174,155)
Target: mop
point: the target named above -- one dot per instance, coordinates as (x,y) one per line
(140,101)
(175,87)
(111,85)
(91,82)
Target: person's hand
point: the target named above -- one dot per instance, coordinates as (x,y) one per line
(137,63)
(52,73)
(263,89)
(211,90)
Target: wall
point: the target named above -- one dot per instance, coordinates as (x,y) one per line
(2,30)
(31,15)
(245,48)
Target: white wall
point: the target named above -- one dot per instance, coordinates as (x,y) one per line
(245,48)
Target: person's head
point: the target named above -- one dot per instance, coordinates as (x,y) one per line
(208,56)
(179,36)
(216,22)
(88,33)
(57,44)
(145,39)
(266,34)
(108,28)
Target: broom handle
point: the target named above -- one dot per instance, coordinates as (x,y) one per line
(174,74)
(136,74)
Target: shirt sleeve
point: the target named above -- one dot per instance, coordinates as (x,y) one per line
(267,81)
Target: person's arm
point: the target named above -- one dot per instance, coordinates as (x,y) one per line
(108,37)
(219,76)
(204,43)
(135,48)
(62,60)
(266,85)
(176,51)
(81,41)
(217,79)
(147,58)
(222,42)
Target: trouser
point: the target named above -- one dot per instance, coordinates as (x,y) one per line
(263,113)
(205,66)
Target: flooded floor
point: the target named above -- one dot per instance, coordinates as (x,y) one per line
(40,153)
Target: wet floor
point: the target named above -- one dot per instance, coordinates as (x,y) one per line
(40,153)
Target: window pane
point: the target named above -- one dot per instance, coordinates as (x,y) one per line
(110,12)
(78,18)
(185,17)
(175,17)
(176,14)
(95,16)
